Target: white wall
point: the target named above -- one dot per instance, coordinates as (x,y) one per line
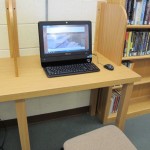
(4,52)
(29,12)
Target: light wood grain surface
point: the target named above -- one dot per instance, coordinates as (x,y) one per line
(12,32)
(22,124)
(34,83)
(110,31)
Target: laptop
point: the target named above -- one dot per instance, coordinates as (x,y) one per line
(66,47)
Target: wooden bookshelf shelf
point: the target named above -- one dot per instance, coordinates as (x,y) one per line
(138,26)
(136,57)
(139,101)
(140,107)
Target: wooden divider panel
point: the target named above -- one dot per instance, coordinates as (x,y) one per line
(121,2)
(110,32)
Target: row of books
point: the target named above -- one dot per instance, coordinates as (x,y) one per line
(115,99)
(137,44)
(128,63)
(138,11)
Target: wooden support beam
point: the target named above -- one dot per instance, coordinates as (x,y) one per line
(123,105)
(22,124)
(12,32)
(93,101)
(104,102)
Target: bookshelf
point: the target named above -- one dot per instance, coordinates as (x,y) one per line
(136,57)
(139,106)
(138,26)
(140,98)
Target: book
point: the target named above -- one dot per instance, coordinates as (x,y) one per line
(126,4)
(126,44)
(134,11)
(144,2)
(128,63)
(115,99)
(136,43)
(148,45)
(147,13)
(129,44)
(138,12)
(130,11)
(111,105)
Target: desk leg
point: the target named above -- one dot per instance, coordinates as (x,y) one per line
(123,106)
(93,101)
(104,103)
(22,124)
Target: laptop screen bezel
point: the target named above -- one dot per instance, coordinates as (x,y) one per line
(64,56)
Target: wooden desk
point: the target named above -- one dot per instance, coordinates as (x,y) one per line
(34,83)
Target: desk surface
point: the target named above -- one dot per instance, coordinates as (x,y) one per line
(32,81)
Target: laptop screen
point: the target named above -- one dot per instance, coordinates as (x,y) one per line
(65,40)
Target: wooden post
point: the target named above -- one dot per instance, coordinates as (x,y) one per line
(12,32)
(123,106)
(22,124)
(104,102)
(93,101)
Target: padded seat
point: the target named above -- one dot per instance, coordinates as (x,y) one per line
(106,138)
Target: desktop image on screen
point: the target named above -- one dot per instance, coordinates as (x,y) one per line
(65,38)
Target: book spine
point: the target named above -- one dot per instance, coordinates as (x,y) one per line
(126,44)
(125,63)
(126,4)
(129,44)
(138,12)
(134,12)
(144,42)
(148,44)
(114,102)
(131,65)
(149,18)
(118,96)
(117,102)
(134,40)
(143,11)
(111,106)
(147,13)
(141,46)
(136,46)
(131,11)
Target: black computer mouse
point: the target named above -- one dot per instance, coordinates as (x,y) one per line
(109,67)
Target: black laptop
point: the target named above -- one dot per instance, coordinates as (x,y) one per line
(66,47)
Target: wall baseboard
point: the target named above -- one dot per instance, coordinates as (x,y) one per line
(49,116)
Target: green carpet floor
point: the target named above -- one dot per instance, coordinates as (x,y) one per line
(50,135)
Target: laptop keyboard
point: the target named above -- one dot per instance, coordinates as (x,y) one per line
(55,71)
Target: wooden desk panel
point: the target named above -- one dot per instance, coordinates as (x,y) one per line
(34,83)
(6,69)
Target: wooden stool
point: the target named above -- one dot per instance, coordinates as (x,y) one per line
(105,138)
